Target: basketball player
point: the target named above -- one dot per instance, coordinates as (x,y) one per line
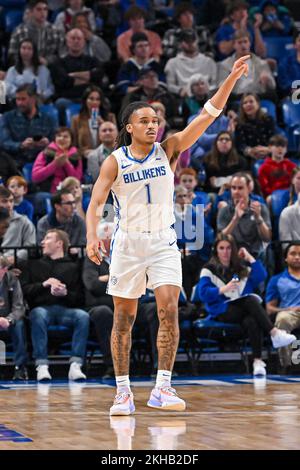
(140,174)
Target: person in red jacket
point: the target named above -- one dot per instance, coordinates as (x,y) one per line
(276,171)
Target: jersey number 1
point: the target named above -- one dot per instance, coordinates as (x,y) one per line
(147,186)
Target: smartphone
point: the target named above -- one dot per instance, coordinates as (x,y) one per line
(37,138)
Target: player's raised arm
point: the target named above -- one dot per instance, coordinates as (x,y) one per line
(212,109)
(108,174)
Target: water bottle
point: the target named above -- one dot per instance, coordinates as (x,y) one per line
(236,278)
(94,118)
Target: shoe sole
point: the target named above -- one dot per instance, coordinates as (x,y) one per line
(174,407)
(121,413)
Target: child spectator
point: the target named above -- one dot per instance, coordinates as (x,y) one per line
(18,187)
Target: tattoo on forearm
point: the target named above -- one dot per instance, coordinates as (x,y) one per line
(121,342)
(167,338)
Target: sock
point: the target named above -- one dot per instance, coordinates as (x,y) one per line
(123,383)
(163,378)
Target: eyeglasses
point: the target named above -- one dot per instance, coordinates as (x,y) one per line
(68,203)
(224,139)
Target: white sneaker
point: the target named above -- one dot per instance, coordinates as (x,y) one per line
(43,373)
(123,404)
(75,372)
(259,368)
(282,338)
(166,398)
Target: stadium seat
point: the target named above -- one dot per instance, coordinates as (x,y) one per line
(256,166)
(279,200)
(72,110)
(52,111)
(12,3)
(27,171)
(278,46)
(269,108)
(291,118)
(12,19)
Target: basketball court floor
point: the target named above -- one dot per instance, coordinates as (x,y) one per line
(223,412)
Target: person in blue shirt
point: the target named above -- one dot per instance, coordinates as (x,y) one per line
(18,187)
(226,286)
(289,68)
(283,297)
(276,19)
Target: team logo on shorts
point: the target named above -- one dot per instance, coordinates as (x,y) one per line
(113,280)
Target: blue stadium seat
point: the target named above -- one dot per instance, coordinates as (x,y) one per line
(12,19)
(277,47)
(27,171)
(256,166)
(269,107)
(12,3)
(291,118)
(279,200)
(72,110)
(52,111)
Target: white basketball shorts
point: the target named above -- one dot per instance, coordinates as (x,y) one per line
(140,260)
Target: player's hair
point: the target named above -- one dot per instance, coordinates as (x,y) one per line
(124,138)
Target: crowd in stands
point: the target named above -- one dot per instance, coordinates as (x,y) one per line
(69,68)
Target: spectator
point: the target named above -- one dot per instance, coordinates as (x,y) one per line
(254,129)
(47,38)
(12,308)
(259,80)
(21,231)
(237,13)
(179,69)
(129,73)
(73,185)
(63,217)
(63,21)
(184,15)
(283,298)
(276,19)
(136,20)
(17,185)
(163,127)
(8,166)
(244,218)
(85,126)
(227,284)
(107,136)
(29,71)
(59,160)
(73,73)
(151,91)
(289,222)
(224,198)
(108,19)
(295,186)
(94,45)
(52,287)
(197,93)
(26,130)
(213,13)
(276,170)
(221,163)
(289,68)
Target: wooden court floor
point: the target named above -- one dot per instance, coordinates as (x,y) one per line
(219,415)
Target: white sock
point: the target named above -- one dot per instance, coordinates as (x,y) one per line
(123,383)
(163,378)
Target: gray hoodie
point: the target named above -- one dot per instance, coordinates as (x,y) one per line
(21,232)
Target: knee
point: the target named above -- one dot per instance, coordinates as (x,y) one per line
(82,316)
(169,311)
(283,320)
(38,314)
(99,314)
(123,321)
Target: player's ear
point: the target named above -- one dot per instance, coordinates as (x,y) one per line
(129,128)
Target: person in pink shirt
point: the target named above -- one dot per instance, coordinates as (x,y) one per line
(136,19)
(59,160)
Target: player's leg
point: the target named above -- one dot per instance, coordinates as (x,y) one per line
(124,316)
(163,396)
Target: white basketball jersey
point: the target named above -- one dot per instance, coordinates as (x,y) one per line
(143,191)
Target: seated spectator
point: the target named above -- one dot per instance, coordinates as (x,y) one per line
(73,185)
(73,73)
(136,19)
(254,129)
(94,45)
(184,158)
(289,222)
(294,186)
(129,73)
(163,127)
(221,163)
(276,19)
(85,126)
(289,68)
(29,71)
(259,80)
(237,13)
(226,286)
(224,197)
(18,186)
(63,217)
(189,61)
(59,160)
(108,134)
(63,21)
(20,233)
(8,166)
(108,19)
(188,179)
(247,220)
(283,298)
(276,171)
(12,308)
(26,130)
(47,38)
(197,93)
(184,16)
(54,292)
